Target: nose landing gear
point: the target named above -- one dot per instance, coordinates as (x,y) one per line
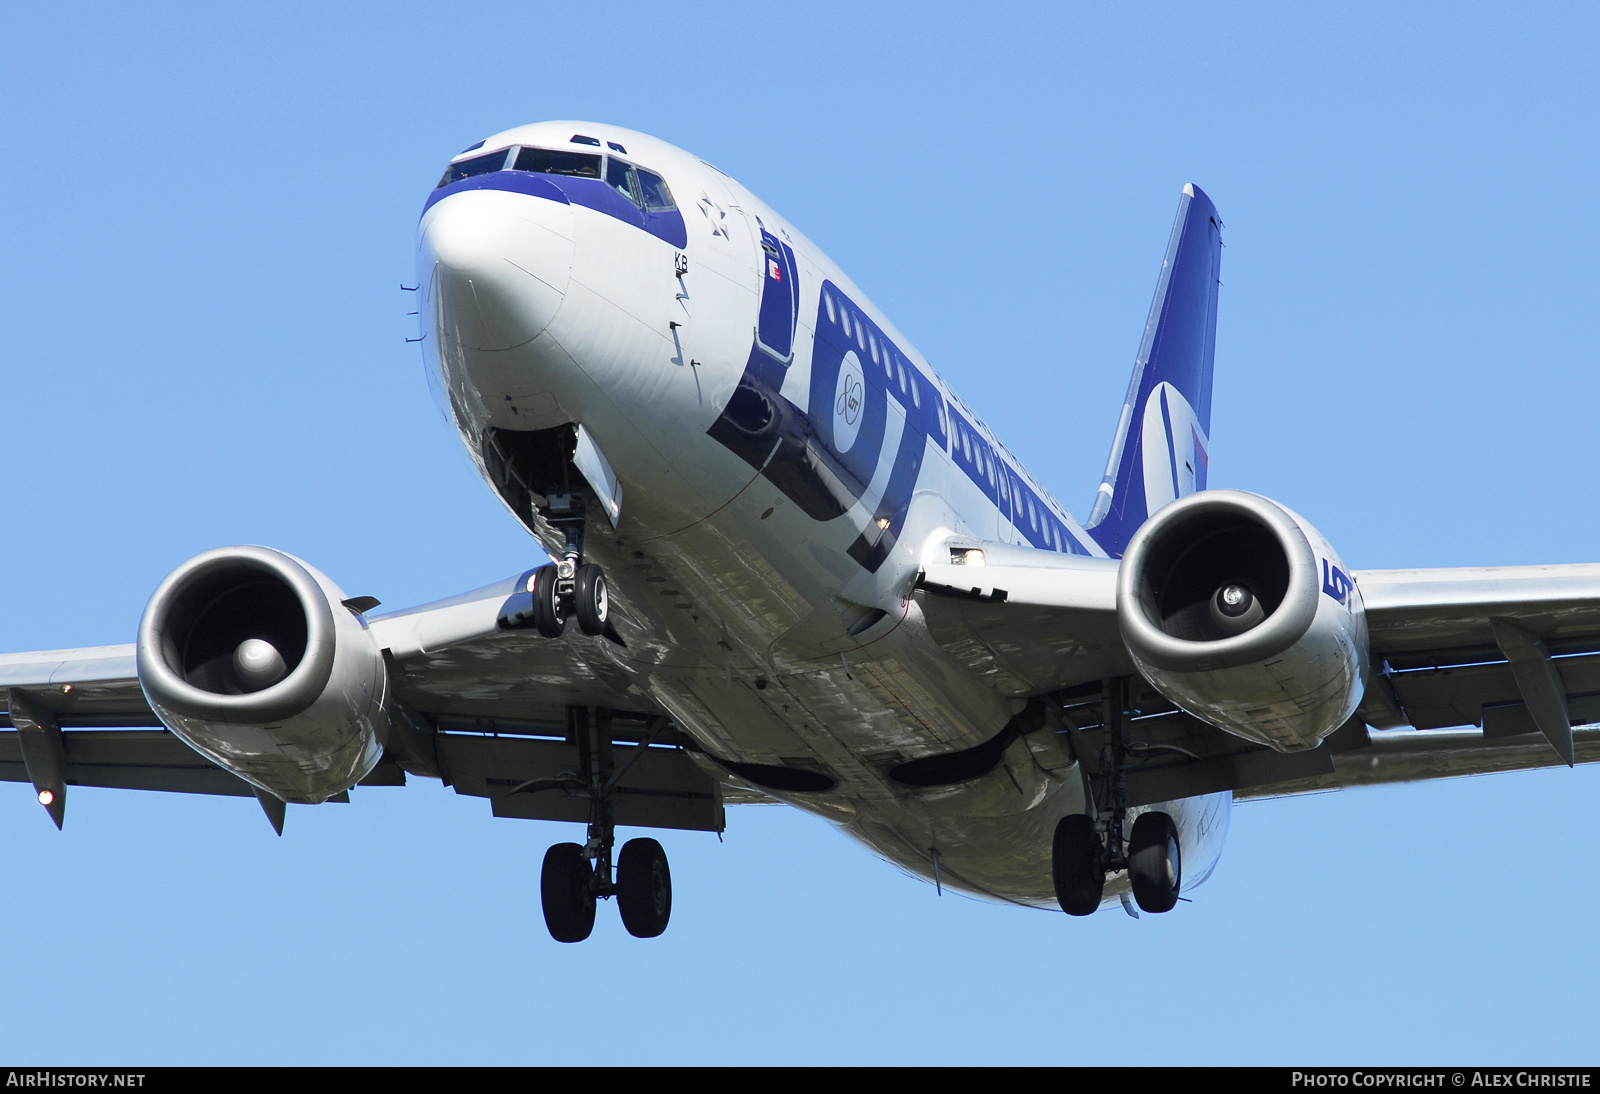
(565,589)
(570,587)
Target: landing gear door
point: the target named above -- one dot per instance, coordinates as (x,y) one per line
(780,297)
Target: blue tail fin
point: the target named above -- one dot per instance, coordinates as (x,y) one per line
(1163,440)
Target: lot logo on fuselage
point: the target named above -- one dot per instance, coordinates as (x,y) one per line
(849,398)
(824,455)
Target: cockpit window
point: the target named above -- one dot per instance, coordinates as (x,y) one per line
(653,189)
(477,165)
(618,175)
(541,161)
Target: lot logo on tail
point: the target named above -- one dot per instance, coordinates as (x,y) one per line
(1175,448)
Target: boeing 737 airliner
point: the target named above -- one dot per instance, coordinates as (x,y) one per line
(789,563)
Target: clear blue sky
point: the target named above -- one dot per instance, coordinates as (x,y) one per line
(209,210)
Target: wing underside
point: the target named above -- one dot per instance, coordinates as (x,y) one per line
(1474,671)
(482,706)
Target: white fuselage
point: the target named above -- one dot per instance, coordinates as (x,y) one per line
(776,499)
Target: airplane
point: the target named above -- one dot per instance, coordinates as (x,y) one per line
(789,564)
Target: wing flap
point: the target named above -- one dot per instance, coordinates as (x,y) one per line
(1405,755)
(538,780)
(137,759)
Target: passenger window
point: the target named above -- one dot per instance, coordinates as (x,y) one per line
(477,165)
(653,190)
(620,177)
(542,161)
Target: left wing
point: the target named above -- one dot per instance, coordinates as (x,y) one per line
(475,700)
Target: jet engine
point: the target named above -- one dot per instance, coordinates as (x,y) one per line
(250,656)
(1242,614)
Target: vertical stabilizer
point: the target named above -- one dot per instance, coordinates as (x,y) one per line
(1163,440)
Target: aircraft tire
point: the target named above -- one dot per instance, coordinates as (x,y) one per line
(1154,864)
(566,893)
(547,617)
(1075,865)
(644,888)
(594,600)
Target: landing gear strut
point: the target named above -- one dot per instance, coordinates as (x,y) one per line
(1086,848)
(569,587)
(575,876)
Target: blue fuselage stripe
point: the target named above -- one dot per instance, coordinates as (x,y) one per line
(589,193)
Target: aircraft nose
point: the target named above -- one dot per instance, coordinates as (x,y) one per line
(502,263)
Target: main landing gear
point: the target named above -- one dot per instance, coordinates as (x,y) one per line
(1086,848)
(575,876)
(570,587)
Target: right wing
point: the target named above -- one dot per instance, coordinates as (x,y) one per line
(1026,621)
(1511,651)
(1475,670)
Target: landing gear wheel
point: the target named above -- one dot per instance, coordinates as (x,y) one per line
(547,617)
(1154,865)
(1075,865)
(644,888)
(594,604)
(567,893)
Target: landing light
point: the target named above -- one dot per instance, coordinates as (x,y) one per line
(46,797)
(966,556)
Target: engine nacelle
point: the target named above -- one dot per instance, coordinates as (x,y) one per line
(1242,614)
(249,655)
